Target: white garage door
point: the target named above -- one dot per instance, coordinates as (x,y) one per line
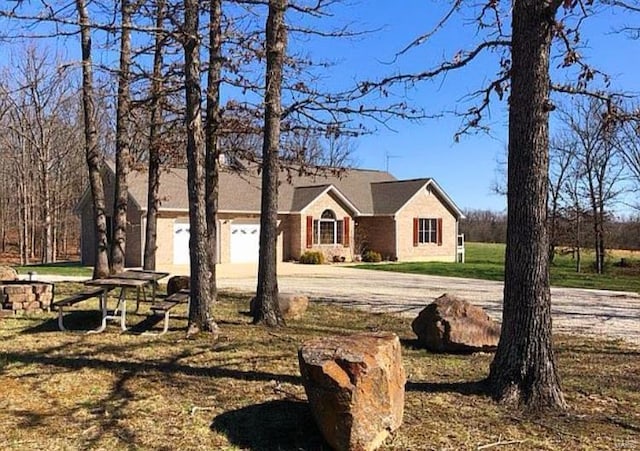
(245,243)
(180,244)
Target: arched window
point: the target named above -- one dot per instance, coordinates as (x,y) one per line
(328,214)
(327,229)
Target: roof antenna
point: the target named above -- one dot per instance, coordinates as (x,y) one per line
(388,157)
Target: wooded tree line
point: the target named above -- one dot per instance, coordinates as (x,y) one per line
(488,226)
(42,172)
(593,173)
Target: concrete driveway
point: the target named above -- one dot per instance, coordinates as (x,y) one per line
(593,312)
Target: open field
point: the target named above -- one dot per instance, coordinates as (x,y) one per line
(128,391)
(486,261)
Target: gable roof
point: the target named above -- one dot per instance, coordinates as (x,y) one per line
(366,192)
(390,197)
(303,196)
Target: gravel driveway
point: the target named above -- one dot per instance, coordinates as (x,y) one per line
(614,314)
(593,312)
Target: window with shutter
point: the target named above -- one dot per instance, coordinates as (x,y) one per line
(345,234)
(310,233)
(327,229)
(428,230)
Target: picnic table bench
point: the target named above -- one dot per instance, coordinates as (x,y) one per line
(99,288)
(164,307)
(86,294)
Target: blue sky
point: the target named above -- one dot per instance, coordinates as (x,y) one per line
(468,169)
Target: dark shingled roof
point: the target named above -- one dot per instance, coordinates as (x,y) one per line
(369,192)
(304,195)
(388,198)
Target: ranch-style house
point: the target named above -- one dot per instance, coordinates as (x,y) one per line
(339,214)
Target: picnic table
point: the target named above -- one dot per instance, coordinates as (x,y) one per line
(130,279)
(150,277)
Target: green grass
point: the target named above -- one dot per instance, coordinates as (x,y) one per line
(60,268)
(486,261)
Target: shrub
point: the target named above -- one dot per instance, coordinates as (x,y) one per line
(312,258)
(371,257)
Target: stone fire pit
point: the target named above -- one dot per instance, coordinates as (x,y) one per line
(18,297)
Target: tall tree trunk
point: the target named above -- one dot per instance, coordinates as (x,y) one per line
(214,79)
(600,248)
(3,222)
(578,243)
(93,156)
(47,251)
(267,310)
(523,371)
(121,195)
(33,214)
(24,205)
(200,318)
(596,238)
(153,189)
(24,225)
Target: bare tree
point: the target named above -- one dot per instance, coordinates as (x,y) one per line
(200,318)
(121,194)
(592,130)
(576,211)
(93,155)
(213,125)
(524,370)
(628,141)
(156,107)
(561,160)
(39,117)
(267,309)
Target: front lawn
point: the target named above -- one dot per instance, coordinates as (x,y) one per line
(486,261)
(71,268)
(243,391)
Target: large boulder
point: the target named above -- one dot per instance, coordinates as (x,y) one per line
(450,324)
(177,283)
(292,306)
(8,273)
(355,387)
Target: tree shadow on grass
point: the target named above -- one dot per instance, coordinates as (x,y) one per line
(273,425)
(74,321)
(464,388)
(411,343)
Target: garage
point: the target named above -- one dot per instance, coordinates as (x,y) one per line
(245,243)
(181,244)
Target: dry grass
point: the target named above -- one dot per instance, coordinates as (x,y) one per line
(129,391)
